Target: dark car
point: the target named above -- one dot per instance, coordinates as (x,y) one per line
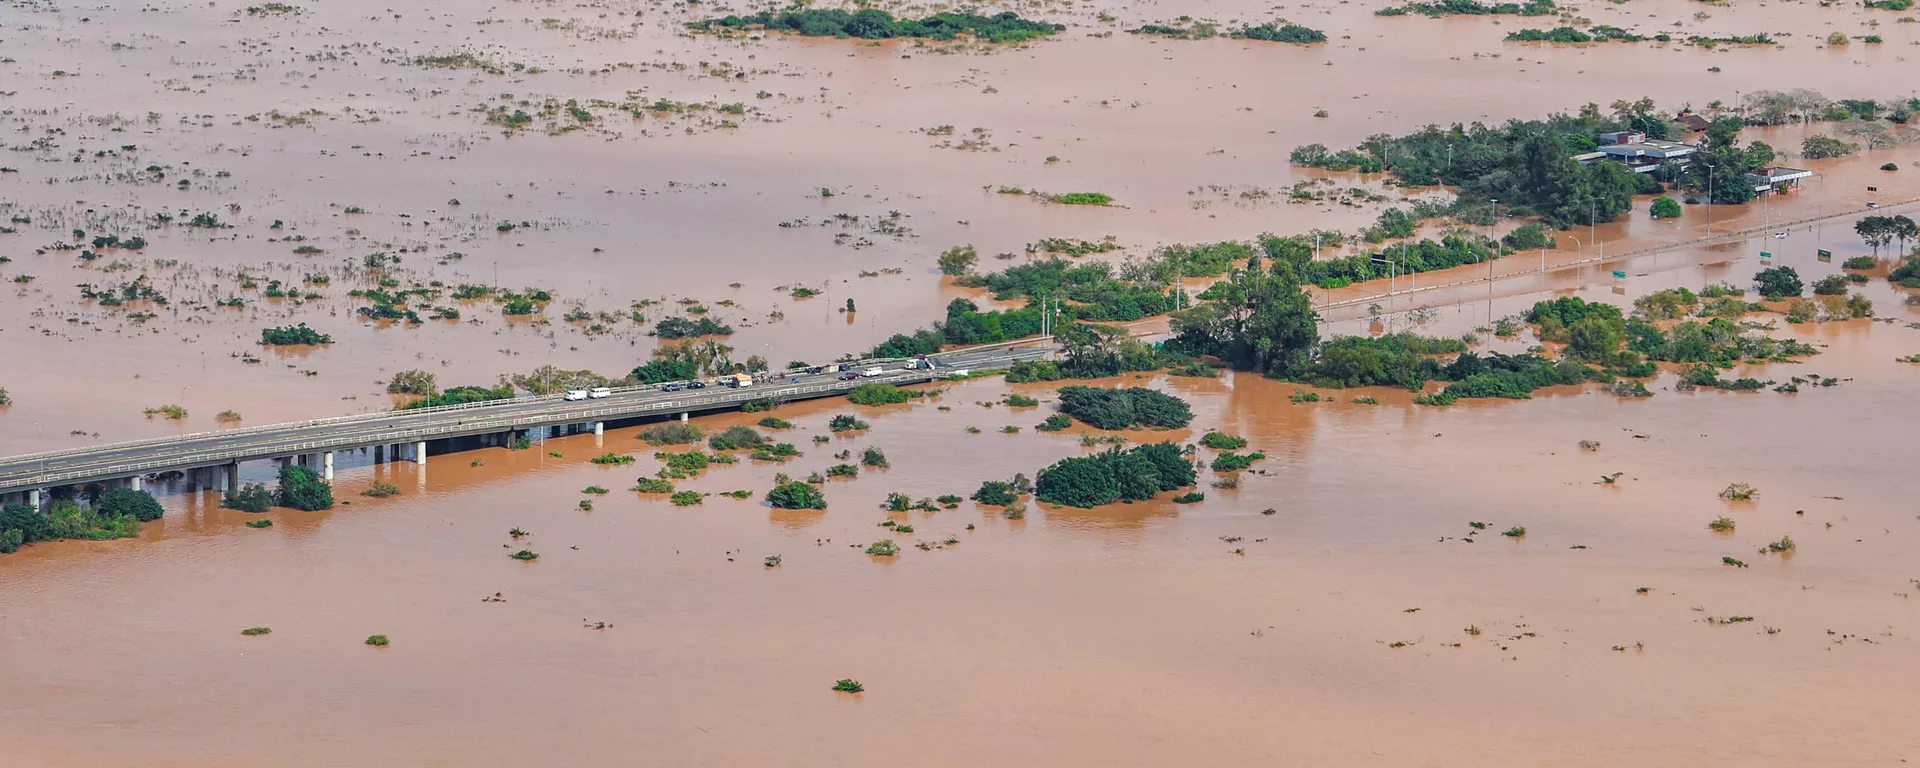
(813,371)
(696,385)
(849,375)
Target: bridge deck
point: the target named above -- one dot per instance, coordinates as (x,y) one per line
(183,452)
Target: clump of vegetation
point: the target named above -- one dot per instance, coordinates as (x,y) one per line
(1729,560)
(1190,497)
(378,641)
(259,523)
(1785,544)
(1117,474)
(1234,462)
(653,485)
(1515,532)
(775,452)
(683,465)
(1221,441)
(1125,408)
(849,686)
(996,493)
(1471,8)
(1778,282)
(775,423)
(680,328)
(228,416)
(525,555)
(843,470)
(302,488)
(875,24)
(297,335)
(462,396)
(796,496)
(687,498)
(672,433)
(879,393)
(1017,400)
(1721,524)
(172,412)
(381,490)
(846,423)
(250,497)
(256,631)
(883,548)
(735,438)
(612,459)
(1739,492)
(1057,422)
(874,457)
(594,490)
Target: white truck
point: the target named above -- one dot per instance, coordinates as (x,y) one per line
(874,371)
(574,394)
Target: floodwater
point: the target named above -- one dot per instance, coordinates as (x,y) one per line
(1131,635)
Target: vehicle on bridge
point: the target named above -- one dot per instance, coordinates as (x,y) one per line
(738,380)
(599,392)
(574,394)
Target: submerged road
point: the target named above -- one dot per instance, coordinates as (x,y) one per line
(132,460)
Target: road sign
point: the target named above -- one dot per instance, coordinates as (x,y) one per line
(1825,255)
(1619,273)
(1766,254)
(1873,189)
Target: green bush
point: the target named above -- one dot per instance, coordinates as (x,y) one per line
(300,488)
(672,433)
(846,423)
(878,393)
(1831,285)
(775,452)
(256,631)
(1780,281)
(874,457)
(687,498)
(875,24)
(612,459)
(259,523)
(843,470)
(653,485)
(1017,400)
(462,396)
(683,464)
(251,497)
(293,336)
(1221,441)
(1234,462)
(995,493)
(1124,408)
(1664,207)
(126,501)
(381,490)
(1860,262)
(1114,475)
(796,496)
(883,548)
(775,423)
(377,641)
(735,438)
(1054,423)
(1190,497)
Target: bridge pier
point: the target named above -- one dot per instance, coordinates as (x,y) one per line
(135,482)
(33,499)
(420,453)
(379,454)
(683,417)
(326,462)
(232,475)
(599,428)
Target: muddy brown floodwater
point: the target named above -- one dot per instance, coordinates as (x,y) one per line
(1357,624)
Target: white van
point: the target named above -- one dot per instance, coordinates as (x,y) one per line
(599,392)
(574,394)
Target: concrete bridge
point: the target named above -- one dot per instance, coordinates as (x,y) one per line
(212,459)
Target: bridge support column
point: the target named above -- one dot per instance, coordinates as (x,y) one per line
(599,428)
(135,482)
(232,475)
(33,499)
(683,418)
(326,463)
(379,454)
(420,453)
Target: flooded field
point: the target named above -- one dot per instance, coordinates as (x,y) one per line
(1337,608)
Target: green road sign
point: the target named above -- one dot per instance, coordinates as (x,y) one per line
(1825,254)
(1619,273)
(1766,254)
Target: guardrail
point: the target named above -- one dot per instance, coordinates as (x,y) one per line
(380,428)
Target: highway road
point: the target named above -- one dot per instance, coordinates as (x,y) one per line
(115,461)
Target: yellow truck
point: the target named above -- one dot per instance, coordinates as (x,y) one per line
(738,380)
